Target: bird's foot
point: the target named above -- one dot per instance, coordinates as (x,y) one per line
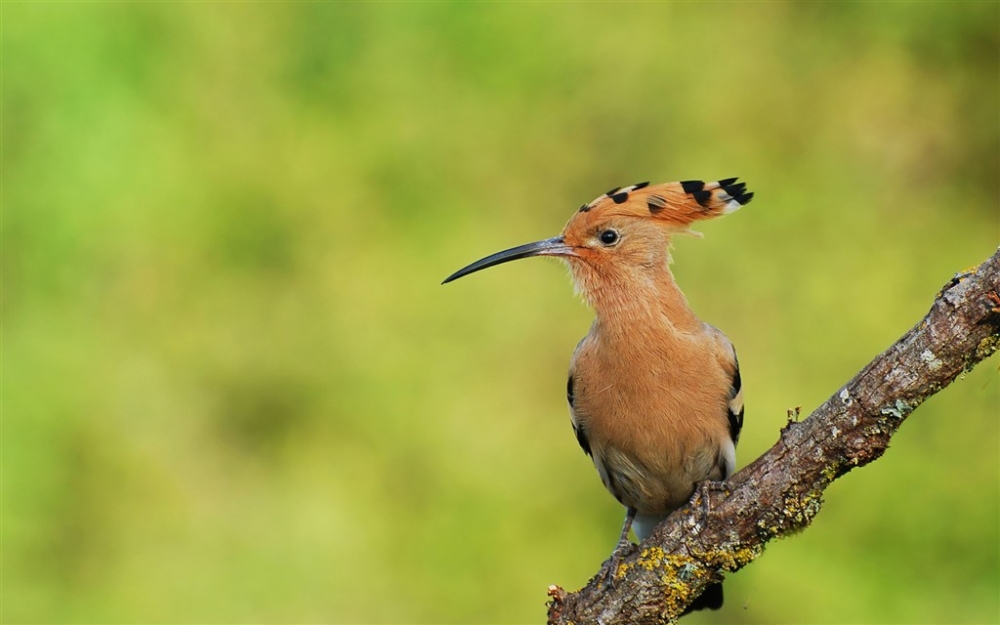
(608,576)
(704,491)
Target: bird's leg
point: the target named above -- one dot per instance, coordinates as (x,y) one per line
(610,568)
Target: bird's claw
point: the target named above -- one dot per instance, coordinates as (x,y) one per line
(704,490)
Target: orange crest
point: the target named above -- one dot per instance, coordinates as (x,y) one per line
(674,203)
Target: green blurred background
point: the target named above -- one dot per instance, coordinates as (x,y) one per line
(234,391)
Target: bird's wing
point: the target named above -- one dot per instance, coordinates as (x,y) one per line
(578,426)
(581,434)
(734,406)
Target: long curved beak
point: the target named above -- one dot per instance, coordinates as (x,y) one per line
(549,247)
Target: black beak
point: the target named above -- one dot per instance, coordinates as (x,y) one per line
(549,247)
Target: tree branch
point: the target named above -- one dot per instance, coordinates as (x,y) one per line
(781,492)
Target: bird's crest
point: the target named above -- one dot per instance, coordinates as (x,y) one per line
(675,203)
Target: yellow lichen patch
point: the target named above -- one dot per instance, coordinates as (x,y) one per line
(769,530)
(675,573)
(730,557)
(677,577)
(653,558)
(986,347)
(802,509)
(734,558)
(830,472)
(678,596)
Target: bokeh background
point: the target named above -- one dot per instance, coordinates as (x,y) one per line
(235,392)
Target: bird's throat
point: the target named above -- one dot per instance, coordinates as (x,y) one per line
(638,301)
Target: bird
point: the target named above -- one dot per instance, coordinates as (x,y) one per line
(655,394)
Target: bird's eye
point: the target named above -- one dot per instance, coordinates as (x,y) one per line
(609,237)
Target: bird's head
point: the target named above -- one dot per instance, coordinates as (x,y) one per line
(626,231)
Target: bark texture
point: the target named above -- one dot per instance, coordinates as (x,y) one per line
(723,529)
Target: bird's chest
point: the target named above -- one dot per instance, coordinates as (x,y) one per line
(654,420)
(646,399)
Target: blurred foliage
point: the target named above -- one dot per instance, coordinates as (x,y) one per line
(234,390)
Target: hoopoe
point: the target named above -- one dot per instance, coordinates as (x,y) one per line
(655,395)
